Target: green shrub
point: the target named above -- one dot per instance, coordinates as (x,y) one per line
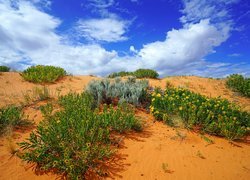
(238,83)
(140,73)
(212,115)
(4,69)
(120,74)
(43,74)
(77,137)
(11,117)
(146,73)
(131,90)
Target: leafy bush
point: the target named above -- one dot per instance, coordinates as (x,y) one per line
(212,115)
(107,91)
(43,74)
(140,73)
(146,73)
(120,74)
(11,117)
(238,83)
(77,137)
(4,69)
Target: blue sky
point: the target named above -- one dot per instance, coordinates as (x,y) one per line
(174,37)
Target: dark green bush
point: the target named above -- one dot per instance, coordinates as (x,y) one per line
(240,84)
(212,115)
(43,74)
(77,137)
(11,117)
(146,73)
(4,69)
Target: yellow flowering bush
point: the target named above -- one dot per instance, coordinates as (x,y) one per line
(213,115)
(77,137)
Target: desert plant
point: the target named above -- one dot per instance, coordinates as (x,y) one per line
(77,137)
(37,94)
(4,69)
(212,115)
(43,74)
(131,90)
(120,74)
(146,73)
(238,83)
(12,117)
(139,73)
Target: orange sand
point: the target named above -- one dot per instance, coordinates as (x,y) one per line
(156,153)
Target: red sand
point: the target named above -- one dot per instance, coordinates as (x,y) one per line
(159,152)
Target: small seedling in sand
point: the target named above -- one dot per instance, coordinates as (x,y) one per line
(179,135)
(208,140)
(200,155)
(12,146)
(166,168)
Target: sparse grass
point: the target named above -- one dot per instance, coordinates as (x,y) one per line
(37,94)
(12,117)
(43,74)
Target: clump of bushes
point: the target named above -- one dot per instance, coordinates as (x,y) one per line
(11,117)
(146,73)
(4,69)
(77,137)
(240,84)
(140,73)
(43,74)
(120,74)
(212,115)
(107,91)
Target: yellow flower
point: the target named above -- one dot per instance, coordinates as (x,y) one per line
(153,99)
(158,95)
(180,108)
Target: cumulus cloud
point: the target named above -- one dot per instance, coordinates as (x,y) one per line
(182,46)
(106,29)
(28,37)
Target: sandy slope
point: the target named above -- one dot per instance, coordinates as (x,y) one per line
(159,152)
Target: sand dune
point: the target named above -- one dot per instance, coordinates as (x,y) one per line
(159,152)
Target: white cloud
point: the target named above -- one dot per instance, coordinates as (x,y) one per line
(234,55)
(215,10)
(132,49)
(182,46)
(28,36)
(106,29)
